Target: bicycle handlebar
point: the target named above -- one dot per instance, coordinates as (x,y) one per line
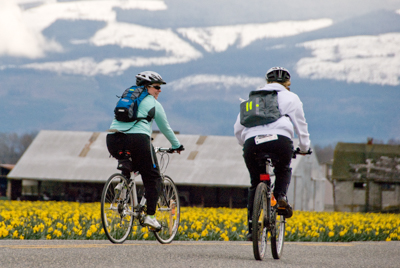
(297,151)
(168,150)
(160,149)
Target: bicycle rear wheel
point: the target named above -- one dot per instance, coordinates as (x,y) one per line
(277,234)
(116,209)
(259,233)
(168,211)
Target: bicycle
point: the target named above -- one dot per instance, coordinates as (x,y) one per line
(120,206)
(267,216)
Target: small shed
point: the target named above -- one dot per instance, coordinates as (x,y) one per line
(4,170)
(74,165)
(366,177)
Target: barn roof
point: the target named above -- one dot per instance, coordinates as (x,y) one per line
(76,156)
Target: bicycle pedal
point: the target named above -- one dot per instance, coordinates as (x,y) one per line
(154,230)
(282,211)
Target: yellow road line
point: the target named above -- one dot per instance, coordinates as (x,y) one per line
(316,244)
(194,243)
(66,246)
(106,245)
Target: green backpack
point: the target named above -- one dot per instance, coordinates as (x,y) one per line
(260,109)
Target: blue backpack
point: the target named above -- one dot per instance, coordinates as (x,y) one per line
(127,107)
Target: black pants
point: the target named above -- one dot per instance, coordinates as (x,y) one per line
(144,160)
(281,151)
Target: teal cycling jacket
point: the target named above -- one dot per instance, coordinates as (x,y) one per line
(145,127)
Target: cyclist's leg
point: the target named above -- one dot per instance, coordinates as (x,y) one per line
(249,150)
(250,204)
(283,176)
(283,172)
(145,161)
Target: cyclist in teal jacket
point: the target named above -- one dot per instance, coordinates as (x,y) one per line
(136,138)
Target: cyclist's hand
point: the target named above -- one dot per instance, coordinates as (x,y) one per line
(298,151)
(181,148)
(178,150)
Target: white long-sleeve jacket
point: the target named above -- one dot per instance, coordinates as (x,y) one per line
(289,104)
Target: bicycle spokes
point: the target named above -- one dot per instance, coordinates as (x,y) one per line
(259,220)
(116,209)
(278,235)
(168,211)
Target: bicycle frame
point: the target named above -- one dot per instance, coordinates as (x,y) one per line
(264,213)
(137,207)
(120,206)
(266,178)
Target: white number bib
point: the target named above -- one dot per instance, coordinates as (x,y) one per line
(265,138)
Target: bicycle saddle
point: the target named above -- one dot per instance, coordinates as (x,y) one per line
(263,156)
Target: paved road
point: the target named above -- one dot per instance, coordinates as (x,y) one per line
(78,253)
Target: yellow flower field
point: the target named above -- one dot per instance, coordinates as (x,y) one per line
(71,220)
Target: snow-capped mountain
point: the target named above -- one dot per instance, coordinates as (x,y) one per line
(62,62)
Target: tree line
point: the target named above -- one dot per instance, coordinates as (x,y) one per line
(13,145)
(325,153)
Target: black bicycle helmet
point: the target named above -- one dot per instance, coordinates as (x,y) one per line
(277,74)
(148,78)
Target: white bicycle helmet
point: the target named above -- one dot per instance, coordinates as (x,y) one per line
(277,74)
(148,77)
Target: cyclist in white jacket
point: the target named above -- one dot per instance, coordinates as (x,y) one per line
(281,133)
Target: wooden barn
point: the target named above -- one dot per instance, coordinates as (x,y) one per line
(366,177)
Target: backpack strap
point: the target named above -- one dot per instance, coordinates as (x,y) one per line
(150,115)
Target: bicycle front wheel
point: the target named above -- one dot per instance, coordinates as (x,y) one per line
(277,234)
(259,220)
(116,208)
(168,211)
